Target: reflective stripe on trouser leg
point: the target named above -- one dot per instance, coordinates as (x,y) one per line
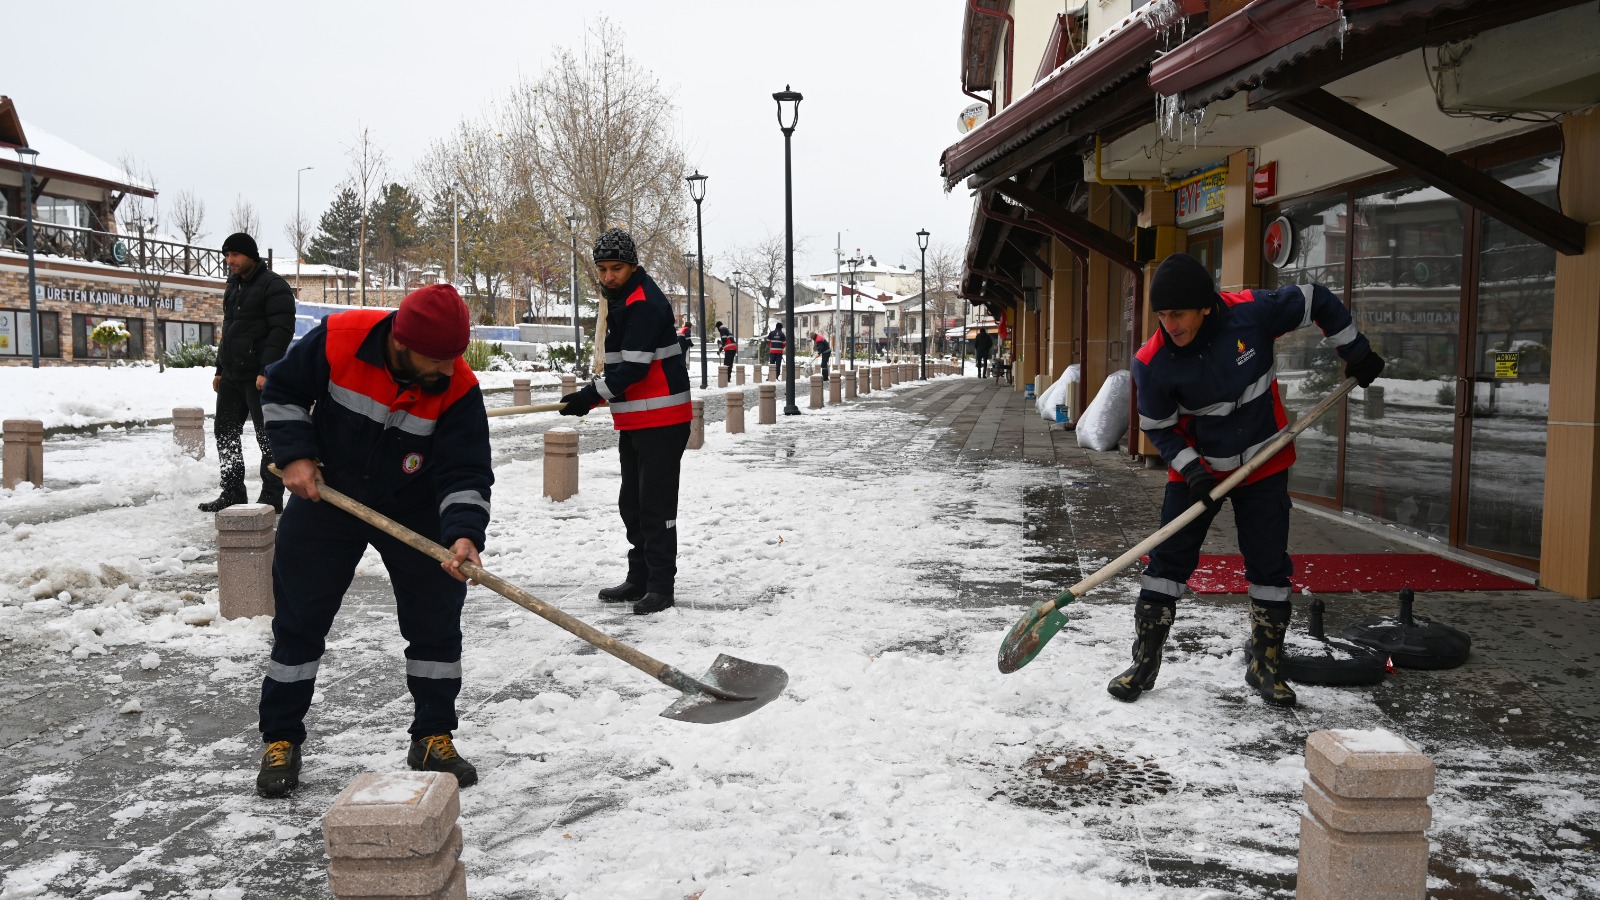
(1267,594)
(314,558)
(428,604)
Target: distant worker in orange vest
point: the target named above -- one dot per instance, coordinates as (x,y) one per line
(647,386)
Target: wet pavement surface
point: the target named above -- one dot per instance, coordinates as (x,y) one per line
(141,797)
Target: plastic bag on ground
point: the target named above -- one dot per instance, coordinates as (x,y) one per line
(1056,394)
(1106,420)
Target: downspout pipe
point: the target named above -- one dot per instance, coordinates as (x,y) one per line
(1010,43)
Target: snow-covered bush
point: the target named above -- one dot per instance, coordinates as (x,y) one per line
(191,356)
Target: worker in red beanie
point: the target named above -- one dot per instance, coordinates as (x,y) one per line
(380,405)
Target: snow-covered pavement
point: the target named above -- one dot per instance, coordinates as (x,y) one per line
(857,548)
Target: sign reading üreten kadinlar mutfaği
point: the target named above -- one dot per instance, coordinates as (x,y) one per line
(107,298)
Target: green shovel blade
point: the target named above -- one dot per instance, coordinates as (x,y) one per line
(1032,632)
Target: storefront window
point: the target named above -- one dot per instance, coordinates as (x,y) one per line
(16,334)
(83,348)
(1307,367)
(177,334)
(1406,295)
(62,211)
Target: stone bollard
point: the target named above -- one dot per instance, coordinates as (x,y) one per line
(569,383)
(875,378)
(738,374)
(756,370)
(521,391)
(835,388)
(722,376)
(767,410)
(733,419)
(816,392)
(850,383)
(245,535)
(24,453)
(772,372)
(1374,396)
(189,431)
(1366,810)
(864,380)
(395,835)
(561,463)
(697,424)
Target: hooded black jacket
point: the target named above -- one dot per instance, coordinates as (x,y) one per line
(257,323)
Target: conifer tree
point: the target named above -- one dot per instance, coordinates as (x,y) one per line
(338,238)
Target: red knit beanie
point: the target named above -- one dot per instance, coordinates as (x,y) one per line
(433,322)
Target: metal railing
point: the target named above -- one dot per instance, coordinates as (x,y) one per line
(140,254)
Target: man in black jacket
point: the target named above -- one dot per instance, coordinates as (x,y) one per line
(257,325)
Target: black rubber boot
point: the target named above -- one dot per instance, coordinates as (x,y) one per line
(1152,620)
(1268,623)
(437,753)
(626,592)
(222,503)
(273,499)
(280,770)
(652,602)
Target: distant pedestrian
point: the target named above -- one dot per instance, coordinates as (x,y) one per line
(1208,399)
(257,325)
(776,343)
(729,346)
(982,346)
(685,341)
(381,406)
(649,396)
(823,349)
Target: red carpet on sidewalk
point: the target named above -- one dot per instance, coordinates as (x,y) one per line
(1335,573)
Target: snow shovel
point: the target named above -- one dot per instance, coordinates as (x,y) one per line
(730,689)
(535,408)
(1044,619)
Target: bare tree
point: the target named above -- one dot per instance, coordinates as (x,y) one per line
(298,231)
(765,267)
(135,212)
(244,217)
(189,216)
(368,168)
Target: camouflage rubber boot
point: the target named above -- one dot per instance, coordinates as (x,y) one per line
(1267,627)
(1152,620)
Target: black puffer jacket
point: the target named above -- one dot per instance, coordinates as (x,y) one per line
(257,323)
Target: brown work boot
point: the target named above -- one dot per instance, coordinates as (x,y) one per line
(280,769)
(437,753)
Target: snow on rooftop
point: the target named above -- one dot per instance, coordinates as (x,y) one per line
(64,156)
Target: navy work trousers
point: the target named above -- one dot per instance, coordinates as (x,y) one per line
(651,459)
(1260,515)
(315,557)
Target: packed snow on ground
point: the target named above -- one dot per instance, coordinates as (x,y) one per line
(889,767)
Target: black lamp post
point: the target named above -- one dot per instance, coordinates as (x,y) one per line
(922,244)
(28,157)
(734,325)
(577,334)
(697,191)
(788,102)
(965,305)
(855,332)
(688,282)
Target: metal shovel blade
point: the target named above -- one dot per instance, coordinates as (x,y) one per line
(755,683)
(1032,632)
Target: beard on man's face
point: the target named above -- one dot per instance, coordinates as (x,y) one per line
(429,384)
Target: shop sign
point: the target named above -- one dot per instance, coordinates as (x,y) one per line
(1200,195)
(1264,183)
(1505,364)
(971,117)
(107,298)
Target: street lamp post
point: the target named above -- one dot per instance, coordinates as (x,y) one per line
(791,99)
(455,234)
(855,333)
(697,191)
(922,244)
(735,323)
(577,334)
(298,227)
(965,305)
(29,157)
(688,288)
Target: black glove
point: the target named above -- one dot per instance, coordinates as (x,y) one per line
(1366,369)
(1201,484)
(578,403)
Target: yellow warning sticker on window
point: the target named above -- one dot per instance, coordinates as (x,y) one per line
(1505,365)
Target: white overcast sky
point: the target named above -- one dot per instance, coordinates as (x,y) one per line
(228,99)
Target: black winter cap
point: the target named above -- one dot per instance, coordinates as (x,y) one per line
(239,242)
(1181,282)
(615,245)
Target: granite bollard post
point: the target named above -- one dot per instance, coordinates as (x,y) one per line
(850,382)
(835,388)
(738,374)
(1374,398)
(722,376)
(569,383)
(245,536)
(767,410)
(395,835)
(756,371)
(772,372)
(561,463)
(521,391)
(24,453)
(816,391)
(189,431)
(1361,835)
(733,420)
(864,380)
(875,377)
(697,424)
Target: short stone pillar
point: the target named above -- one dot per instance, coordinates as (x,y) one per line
(569,383)
(835,388)
(722,376)
(395,835)
(772,372)
(697,424)
(561,463)
(850,383)
(738,374)
(875,377)
(245,535)
(733,420)
(756,371)
(1366,810)
(24,453)
(767,410)
(189,431)
(521,391)
(816,391)
(1374,396)
(864,380)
